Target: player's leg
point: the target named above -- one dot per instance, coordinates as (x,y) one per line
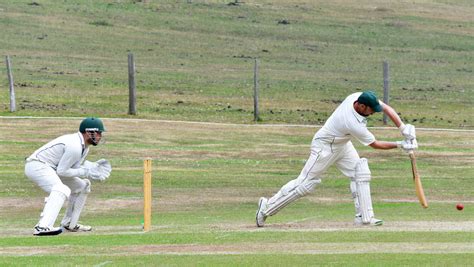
(80,189)
(346,164)
(320,159)
(351,165)
(46,178)
(290,192)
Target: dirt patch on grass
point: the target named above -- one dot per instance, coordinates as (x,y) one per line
(172,199)
(31,251)
(300,248)
(251,248)
(13,203)
(307,225)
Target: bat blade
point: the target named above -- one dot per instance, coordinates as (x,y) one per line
(417,180)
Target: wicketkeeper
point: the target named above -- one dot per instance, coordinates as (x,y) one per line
(60,169)
(332,145)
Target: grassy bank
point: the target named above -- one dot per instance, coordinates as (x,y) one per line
(195,60)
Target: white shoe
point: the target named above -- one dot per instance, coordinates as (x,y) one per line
(39,231)
(259,216)
(373,221)
(78,228)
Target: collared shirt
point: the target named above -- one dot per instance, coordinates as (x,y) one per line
(345,123)
(65,154)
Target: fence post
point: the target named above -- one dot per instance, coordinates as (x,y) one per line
(131,86)
(386,87)
(255,91)
(12,88)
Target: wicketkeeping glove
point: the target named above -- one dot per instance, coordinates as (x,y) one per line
(99,170)
(92,172)
(104,167)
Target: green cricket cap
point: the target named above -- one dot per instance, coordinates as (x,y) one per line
(369,98)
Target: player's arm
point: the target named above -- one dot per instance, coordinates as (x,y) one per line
(72,155)
(383,144)
(407,130)
(405,145)
(367,138)
(392,114)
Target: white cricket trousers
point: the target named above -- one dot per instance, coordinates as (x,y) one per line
(46,177)
(325,153)
(59,189)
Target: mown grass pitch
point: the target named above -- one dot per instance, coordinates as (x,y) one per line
(207,179)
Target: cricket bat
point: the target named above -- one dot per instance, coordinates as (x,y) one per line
(416,178)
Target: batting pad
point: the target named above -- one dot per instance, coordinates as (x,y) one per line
(362,180)
(365,200)
(286,195)
(353,187)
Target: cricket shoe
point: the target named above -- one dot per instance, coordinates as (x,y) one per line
(373,221)
(78,228)
(260,217)
(40,231)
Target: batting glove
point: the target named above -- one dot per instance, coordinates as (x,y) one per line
(408,131)
(408,146)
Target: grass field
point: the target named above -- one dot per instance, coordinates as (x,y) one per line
(211,162)
(207,179)
(195,61)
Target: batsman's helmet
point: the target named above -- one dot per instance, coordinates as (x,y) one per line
(91,125)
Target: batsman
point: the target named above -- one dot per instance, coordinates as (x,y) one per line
(60,169)
(332,145)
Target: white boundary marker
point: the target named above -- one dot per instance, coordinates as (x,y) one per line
(232,124)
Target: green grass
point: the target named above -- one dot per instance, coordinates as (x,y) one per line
(237,237)
(195,61)
(253,260)
(207,179)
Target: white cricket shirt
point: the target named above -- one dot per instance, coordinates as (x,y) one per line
(64,154)
(345,123)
